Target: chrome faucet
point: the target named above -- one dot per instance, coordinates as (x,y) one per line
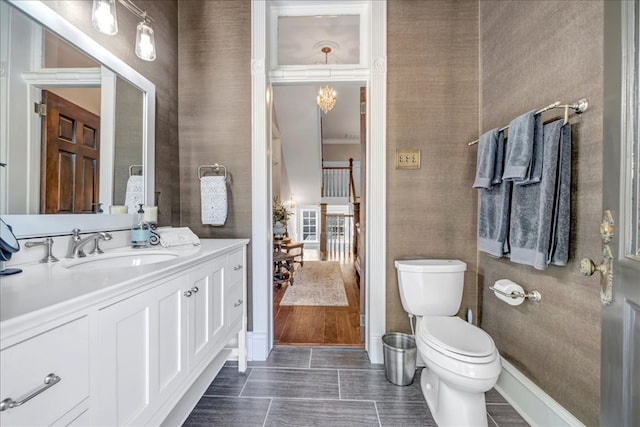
(77,243)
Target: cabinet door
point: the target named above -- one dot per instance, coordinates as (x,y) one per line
(172,305)
(206,310)
(126,332)
(141,356)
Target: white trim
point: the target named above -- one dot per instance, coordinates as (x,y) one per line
(257,347)
(259,341)
(373,72)
(535,406)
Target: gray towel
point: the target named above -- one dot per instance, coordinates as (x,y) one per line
(493,220)
(534,173)
(486,160)
(520,142)
(559,245)
(534,207)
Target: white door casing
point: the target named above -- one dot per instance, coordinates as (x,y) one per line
(372,71)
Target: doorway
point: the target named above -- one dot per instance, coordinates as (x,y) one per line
(316,163)
(370,69)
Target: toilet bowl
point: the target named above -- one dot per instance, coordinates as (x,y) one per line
(462,362)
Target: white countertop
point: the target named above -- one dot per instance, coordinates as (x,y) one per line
(43,292)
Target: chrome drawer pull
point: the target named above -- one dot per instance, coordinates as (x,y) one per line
(49,381)
(194,289)
(187,293)
(237,267)
(238,304)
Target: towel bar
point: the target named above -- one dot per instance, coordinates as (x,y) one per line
(135,166)
(534,295)
(216,168)
(580,106)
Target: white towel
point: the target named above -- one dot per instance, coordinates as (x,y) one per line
(134,194)
(179,236)
(213,197)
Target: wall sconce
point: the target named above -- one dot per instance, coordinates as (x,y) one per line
(104,19)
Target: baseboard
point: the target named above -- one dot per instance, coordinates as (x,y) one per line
(535,406)
(257,346)
(375,350)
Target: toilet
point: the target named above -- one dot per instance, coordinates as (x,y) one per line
(461,360)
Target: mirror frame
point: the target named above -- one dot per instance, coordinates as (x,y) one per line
(25,226)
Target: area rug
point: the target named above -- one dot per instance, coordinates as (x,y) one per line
(317,283)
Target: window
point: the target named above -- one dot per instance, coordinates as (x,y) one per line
(309,225)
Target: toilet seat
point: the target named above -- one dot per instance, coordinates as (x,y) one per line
(457,339)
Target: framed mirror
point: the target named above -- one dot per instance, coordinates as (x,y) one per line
(57,58)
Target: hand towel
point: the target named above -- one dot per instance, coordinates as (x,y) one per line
(213,198)
(179,236)
(520,143)
(134,194)
(493,221)
(486,160)
(533,207)
(559,245)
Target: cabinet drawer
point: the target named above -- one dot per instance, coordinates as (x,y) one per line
(235,305)
(63,351)
(237,269)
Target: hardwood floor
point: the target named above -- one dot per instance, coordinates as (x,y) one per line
(317,325)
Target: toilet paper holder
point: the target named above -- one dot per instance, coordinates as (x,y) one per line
(533,295)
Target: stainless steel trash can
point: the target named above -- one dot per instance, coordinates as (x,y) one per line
(399,358)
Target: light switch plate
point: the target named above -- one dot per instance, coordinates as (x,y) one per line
(407,159)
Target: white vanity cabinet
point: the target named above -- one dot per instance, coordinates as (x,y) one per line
(134,351)
(153,342)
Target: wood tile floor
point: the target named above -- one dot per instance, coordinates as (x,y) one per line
(318,325)
(303,386)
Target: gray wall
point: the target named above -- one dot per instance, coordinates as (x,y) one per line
(432,105)
(163,72)
(215,110)
(533,53)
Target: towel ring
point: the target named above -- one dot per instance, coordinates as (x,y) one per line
(216,168)
(134,166)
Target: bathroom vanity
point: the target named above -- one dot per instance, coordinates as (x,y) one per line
(114,346)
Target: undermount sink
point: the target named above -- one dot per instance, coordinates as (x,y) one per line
(132,258)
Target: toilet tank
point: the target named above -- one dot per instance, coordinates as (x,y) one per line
(431,287)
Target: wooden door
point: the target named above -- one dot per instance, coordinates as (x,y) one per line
(70,157)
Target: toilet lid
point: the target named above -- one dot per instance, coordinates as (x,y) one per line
(456,337)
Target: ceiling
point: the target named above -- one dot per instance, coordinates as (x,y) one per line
(301,39)
(300,42)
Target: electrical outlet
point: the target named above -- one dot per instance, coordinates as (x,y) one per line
(407,159)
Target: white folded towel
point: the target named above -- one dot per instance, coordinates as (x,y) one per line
(177,237)
(213,197)
(134,194)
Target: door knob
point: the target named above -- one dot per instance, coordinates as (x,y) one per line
(588,267)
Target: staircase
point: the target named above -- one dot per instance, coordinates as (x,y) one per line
(338,237)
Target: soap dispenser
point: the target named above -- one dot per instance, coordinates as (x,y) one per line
(140,231)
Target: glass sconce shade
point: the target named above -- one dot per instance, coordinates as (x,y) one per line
(145,42)
(104,17)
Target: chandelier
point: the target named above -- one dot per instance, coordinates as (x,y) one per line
(326,95)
